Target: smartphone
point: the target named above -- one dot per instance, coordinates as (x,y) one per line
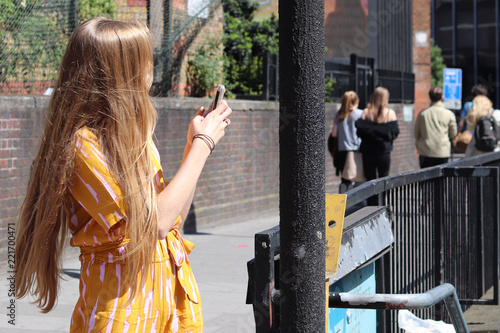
(221,90)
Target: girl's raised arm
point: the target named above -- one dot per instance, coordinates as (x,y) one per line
(177,197)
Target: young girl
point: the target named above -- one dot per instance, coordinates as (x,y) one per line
(377,128)
(347,163)
(98,175)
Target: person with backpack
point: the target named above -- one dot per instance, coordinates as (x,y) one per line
(477,90)
(486,130)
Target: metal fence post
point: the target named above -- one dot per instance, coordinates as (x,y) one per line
(72,16)
(166,56)
(265,69)
(354,64)
(264,284)
(302,166)
(438,241)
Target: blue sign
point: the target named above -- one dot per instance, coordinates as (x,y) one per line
(360,281)
(452,86)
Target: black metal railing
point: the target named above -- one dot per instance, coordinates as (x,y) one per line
(445,222)
(400,84)
(359,75)
(362,76)
(342,77)
(356,73)
(271,77)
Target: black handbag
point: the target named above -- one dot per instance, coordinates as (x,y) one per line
(332,143)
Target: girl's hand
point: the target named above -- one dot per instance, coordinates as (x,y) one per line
(191,132)
(214,124)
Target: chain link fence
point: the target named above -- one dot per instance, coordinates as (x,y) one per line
(176,27)
(33,37)
(34,34)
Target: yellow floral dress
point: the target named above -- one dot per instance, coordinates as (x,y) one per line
(170,300)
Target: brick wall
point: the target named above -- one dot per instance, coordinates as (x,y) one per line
(20,129)
(240,180)
(403,158)
(132,11)
(24,88)
(422,54)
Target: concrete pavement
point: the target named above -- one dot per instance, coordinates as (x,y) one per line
(483,318)
(219,263)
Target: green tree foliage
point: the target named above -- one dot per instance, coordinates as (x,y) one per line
(204,68)
(31,41)
(246,42)
(329,89)
(7,11)
(437,65)
(33,36)
(95,8)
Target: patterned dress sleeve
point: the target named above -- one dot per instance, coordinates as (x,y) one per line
(93,185)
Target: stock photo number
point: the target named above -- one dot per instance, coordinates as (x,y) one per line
(11,274)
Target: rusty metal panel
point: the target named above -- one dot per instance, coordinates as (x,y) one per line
(367,235)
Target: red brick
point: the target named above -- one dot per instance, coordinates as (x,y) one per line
(137,3)
(240,179)
(421,55)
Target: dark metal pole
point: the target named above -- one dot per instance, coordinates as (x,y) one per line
(438,237)
(302,166)
(72,16)
(267,61)
(474,19)
(166,57)
(454,32)
(433,20)
(496,225)
(497,55)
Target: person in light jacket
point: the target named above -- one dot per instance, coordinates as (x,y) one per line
(434,128)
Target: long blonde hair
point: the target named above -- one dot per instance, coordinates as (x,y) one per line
(481,106)
(103,84)
(348,102)
(378,103)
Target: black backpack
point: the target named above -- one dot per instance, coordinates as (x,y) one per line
(486,133)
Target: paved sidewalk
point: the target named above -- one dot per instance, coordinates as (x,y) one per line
(483,318)
(219,264)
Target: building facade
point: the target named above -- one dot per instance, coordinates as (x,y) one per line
(467,31)
(421,53)
(382,30)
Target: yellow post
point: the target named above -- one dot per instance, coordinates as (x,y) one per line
(334,225)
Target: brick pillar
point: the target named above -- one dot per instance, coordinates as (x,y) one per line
(421,53)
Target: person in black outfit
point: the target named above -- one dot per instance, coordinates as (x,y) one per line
(377,128)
